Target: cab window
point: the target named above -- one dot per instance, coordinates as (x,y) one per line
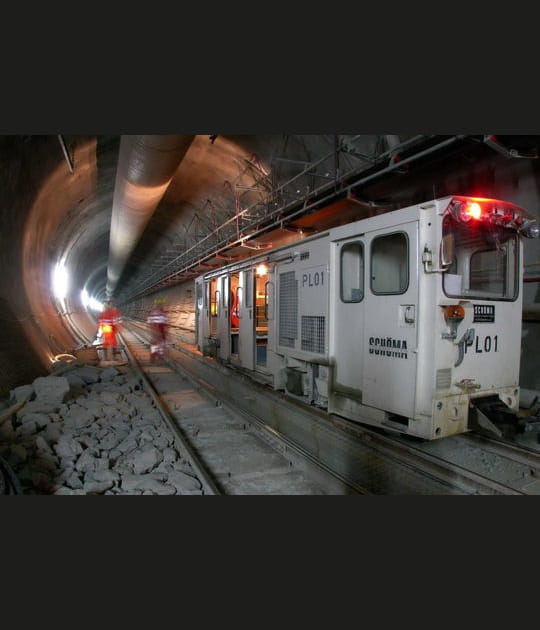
(390,264)
(352,272)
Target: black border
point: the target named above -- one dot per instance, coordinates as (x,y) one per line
(341,523)
(336,111)
(370,75)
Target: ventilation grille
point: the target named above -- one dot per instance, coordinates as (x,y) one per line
(304,255)
(444,379)
(288,309)
(313,329)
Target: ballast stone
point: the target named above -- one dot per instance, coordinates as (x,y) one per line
(146,459)
(40,419)
(21,393)
(51,389)
(107,439)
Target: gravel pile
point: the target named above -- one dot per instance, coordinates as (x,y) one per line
(87,429)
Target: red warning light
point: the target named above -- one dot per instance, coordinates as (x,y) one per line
(474,209)
(470,210)
(491,211)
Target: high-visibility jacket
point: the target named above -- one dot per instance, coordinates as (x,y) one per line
(158,319)
(108,323)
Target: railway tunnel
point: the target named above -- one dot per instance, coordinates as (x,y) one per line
(85,218)
(131,216)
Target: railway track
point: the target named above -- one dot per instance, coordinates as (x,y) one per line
(470,470)
(231,451)
(363,458)
(515,466)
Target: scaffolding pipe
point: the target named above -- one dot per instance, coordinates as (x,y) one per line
(147,284)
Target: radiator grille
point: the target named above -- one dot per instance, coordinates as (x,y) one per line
(444,379)
(288,309)
(313,330)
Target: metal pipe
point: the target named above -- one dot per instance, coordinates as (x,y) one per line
(411,158)
(66,155)
(146,165)
(146,283)
(401,146)
(275,191)
(493,142)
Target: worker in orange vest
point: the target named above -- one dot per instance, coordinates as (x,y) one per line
(158,320)
(108,323)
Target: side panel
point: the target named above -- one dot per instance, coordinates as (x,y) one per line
(302,303)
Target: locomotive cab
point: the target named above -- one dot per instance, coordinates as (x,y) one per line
(480,310)
(439,314)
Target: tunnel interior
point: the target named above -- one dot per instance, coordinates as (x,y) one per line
(136,216)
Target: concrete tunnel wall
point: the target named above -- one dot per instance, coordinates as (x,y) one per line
(39,195)
(49,212)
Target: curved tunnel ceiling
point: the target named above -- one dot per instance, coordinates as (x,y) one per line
(199,181)
(201,185)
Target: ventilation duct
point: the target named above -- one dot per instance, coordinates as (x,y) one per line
(146,165)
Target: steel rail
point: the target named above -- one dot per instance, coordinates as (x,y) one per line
(279,442)
(395,447)
(390,447)
(517,453)
(209,487)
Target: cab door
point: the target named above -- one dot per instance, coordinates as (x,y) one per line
(201,327)
(246,341)
(223,323)
(391,315)
(347,333)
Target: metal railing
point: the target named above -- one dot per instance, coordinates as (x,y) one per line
(315,185)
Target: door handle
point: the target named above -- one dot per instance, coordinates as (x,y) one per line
(409,313)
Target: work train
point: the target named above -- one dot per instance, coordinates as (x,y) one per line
(403,320)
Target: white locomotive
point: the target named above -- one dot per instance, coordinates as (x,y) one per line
(402,320)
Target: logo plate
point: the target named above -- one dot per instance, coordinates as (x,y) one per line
(484,313)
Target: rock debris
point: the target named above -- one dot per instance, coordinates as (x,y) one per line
(91,430)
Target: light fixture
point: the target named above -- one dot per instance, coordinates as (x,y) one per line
(261,270)
(531,230)
(60,281)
